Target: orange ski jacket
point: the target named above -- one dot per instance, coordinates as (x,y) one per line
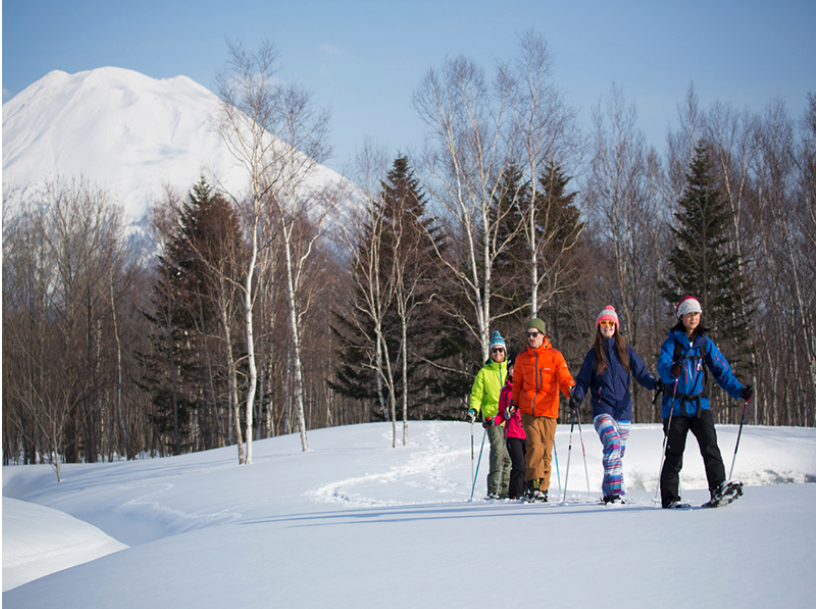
(538,375)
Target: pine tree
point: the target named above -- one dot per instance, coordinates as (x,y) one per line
(702,265)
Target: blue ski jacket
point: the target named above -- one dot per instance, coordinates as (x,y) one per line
(610,389)
(689,395)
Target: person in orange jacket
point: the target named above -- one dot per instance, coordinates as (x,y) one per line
(540,372)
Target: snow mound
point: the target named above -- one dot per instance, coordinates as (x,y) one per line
(38,540)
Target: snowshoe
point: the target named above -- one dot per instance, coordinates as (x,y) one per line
(534,493)
(612,500)
(677,505)
(725,494)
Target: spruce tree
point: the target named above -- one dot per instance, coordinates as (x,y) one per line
(511,267)
(201,255)
(701,263)
(401,208)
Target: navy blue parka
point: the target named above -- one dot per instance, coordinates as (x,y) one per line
(610,389)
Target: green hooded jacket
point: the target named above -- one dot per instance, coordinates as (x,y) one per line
(484,396)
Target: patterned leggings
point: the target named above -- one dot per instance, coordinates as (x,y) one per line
(613,436)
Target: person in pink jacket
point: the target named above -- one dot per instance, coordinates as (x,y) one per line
(515,439)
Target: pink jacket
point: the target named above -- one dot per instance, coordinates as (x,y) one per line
(514,427)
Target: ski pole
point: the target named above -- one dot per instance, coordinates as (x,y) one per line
(742,420)
(665,441)
(557,471)
(473,488)
(583,449)
(569,455)
(472,456)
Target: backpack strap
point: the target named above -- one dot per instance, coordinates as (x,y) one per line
(678,356)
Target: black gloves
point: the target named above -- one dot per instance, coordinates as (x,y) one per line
(747,392)
(574,402)
(676,370)
(510,411)
(659,385)
(487,423)
(471,416)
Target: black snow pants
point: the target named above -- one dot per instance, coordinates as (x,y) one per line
(517,447)
(703,429)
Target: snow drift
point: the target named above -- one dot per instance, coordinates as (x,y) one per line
(354,523)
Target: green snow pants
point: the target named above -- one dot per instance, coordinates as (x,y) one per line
(497,449)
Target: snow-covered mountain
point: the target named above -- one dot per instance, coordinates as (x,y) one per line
(126,132)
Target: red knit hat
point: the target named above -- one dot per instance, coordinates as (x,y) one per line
(688,304)
(607,314)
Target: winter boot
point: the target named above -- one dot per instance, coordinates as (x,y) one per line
(534,491)
(724,494)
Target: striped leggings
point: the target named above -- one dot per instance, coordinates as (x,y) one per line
(613,435)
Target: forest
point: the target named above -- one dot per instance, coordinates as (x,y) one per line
(232,317)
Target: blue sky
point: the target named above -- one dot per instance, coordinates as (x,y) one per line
(363,59)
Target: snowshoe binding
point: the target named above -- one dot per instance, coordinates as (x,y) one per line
(612,500)
(534,493)
(726,493)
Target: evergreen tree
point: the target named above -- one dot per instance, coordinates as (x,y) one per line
(559,225)
(407,238)
(701,263)
(188,299)
(171,359)
(511,291)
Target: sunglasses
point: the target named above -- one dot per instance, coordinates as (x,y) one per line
(608,323)
(497,350)
(533,334)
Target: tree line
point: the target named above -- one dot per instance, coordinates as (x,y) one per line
(296,304)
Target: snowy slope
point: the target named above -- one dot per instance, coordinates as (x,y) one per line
(355,523)
(121,130)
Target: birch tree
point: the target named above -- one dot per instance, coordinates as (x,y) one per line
(784,217)
(374,289)
(618,194)
(729,134)
(545,137)
(463,168)
(273,131)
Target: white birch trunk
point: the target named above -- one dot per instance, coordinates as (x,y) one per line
(293,320)
(253,371)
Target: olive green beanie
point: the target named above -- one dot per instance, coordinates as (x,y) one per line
(538,324)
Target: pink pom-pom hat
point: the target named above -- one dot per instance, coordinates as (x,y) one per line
(607,314)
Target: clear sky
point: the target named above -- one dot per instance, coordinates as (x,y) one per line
(362,59)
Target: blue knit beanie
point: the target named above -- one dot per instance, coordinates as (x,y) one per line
(496,340)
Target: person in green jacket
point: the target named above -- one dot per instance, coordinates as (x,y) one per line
(484,399)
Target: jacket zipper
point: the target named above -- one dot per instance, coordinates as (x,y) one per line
(535,376)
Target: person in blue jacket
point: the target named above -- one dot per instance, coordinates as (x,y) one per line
(684,357)
(606,371)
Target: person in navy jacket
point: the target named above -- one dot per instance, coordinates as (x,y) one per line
(606,371)
(684,358)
